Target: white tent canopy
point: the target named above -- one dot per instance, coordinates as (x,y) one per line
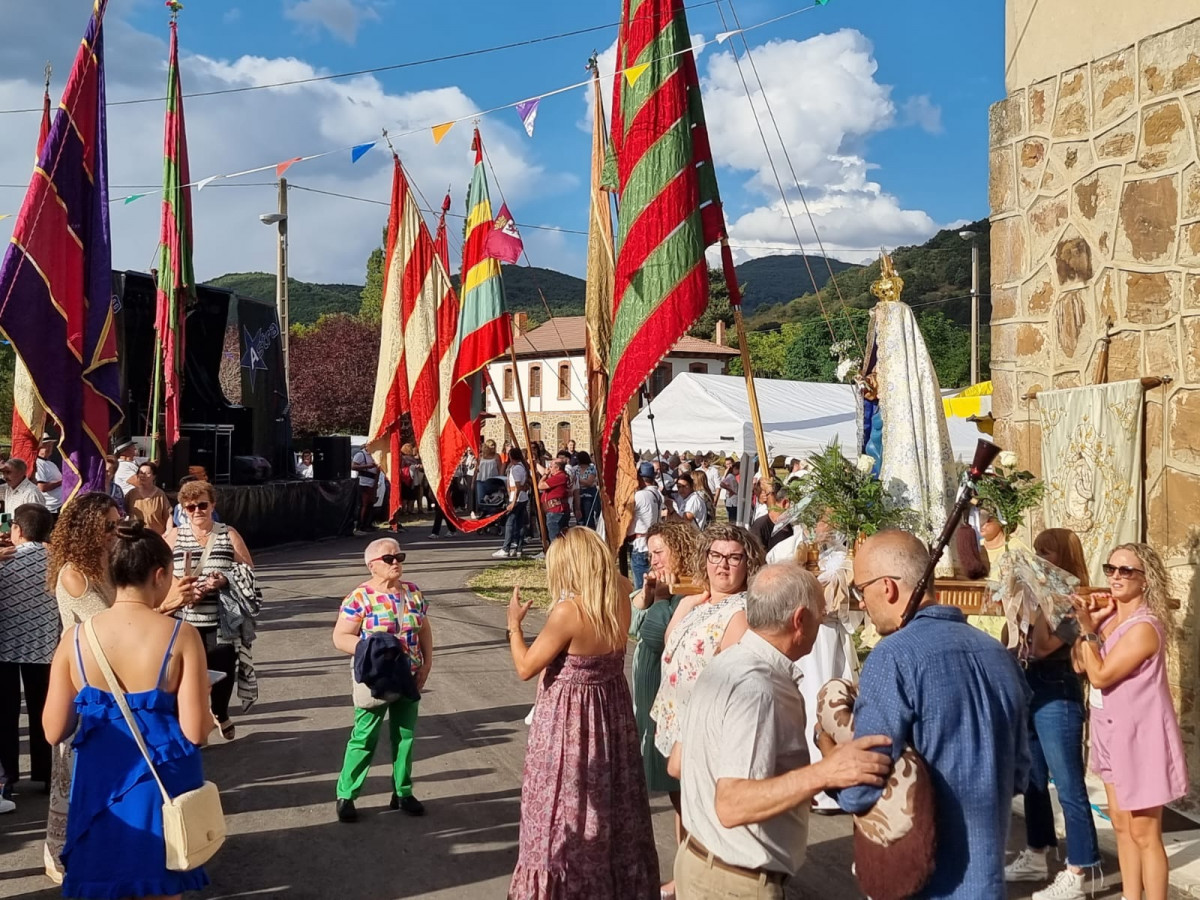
(712,413)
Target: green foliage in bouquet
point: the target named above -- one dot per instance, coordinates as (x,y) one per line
(1008,493)
(847,495)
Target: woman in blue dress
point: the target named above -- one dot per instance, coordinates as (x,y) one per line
(114,842)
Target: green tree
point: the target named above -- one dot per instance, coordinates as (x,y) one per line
(768,352)
(371,310)
(808,357)
(718,309)
(8,359)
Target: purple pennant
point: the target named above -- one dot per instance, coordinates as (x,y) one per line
(527,110)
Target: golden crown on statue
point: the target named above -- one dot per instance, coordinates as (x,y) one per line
(890,284)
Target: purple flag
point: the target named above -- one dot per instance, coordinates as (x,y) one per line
(504,241)
(56,278)
(527,110)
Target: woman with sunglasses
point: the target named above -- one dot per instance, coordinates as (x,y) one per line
(1137,749)
(383,603)
(704,624)
(226,600)
(1057,714)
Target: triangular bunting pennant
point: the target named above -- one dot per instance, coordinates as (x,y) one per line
(360,151)
(285,165)
(527,110)
(201,185)
(439,131)
(726,35)
(5,216)
(133,197)
(633,73)
(822,2)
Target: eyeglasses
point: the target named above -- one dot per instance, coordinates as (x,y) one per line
(389,559)
(858,591)
(1123,571)
(732,559)
(202,506)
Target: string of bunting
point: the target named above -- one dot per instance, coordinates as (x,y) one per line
(526,110)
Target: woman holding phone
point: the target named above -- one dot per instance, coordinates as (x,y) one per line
(226,599)
(1137,749)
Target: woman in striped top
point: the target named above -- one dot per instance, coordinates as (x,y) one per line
(225,601)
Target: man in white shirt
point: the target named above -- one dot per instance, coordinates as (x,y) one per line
(48,476)
(17,490)
(730,487)
(362,464)
(689,503)
(518,506)
(304,468)
(128,462)
(745,802)
(800,470)
(647,510)
(713,473)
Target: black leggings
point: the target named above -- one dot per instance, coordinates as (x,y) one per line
(221,658)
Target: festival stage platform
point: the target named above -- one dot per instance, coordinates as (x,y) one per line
(280,512)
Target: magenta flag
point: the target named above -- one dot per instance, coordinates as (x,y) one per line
(504,241)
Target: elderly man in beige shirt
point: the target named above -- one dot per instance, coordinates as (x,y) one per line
(743,759)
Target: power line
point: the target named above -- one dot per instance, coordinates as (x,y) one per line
(449,57)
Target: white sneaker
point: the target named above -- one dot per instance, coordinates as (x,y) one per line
(500,554)
(1030,865)
(6,806)
(1066,886)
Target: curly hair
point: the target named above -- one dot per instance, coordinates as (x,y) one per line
(81,538)
(1158,587)
(197,490)
(756,556)
(681,539)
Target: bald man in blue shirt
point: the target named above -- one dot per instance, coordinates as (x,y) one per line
(958,697)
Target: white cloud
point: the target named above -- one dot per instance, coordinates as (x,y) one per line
(607,62)
(232,16)
(825,101)
(924,113)
(341,18)
(330,238)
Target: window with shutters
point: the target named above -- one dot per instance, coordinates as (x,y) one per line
(699,368)
(564,381)
(508,383)
(535,381)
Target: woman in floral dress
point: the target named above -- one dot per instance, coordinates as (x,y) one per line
(704,624)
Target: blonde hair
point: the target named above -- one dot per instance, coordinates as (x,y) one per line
(1157,594)
(580,565)
(1064,543)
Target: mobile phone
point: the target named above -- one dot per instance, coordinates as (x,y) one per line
(5,523)
(187,563)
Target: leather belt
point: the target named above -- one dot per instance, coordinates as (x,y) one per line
(716,862)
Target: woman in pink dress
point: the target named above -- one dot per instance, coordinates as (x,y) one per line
(1137,749)
(585,815)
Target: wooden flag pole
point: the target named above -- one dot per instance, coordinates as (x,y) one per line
(512,434)
(530,464)
(735,300)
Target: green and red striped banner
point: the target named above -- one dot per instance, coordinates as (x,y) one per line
(670,211)
(176,279)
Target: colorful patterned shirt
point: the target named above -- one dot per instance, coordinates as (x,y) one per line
(400,614)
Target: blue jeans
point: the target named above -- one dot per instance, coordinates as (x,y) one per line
(1056,745)
(639,565)
(589,499)
(555,524)
(514,526)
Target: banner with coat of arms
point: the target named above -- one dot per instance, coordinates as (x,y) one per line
(1092,465)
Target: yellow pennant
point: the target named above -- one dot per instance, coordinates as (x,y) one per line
(5,216)
(633,73)
(439,131)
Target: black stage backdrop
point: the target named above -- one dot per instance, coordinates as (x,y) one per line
(264,389)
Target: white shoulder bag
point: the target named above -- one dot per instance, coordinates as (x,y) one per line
(193,823)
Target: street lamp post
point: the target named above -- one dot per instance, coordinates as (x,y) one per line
(973,237)
(280,219)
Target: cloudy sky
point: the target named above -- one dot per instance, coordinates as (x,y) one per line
(882,107)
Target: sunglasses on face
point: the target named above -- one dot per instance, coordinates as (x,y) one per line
(202,506)
(732,559)
(1123,571)
(389,559)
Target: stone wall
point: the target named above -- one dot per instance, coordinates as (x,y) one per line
(580,430)
(1095,197)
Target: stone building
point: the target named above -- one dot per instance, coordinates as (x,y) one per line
(552,372)
(1095,201)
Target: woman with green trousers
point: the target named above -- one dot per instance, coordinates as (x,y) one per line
(384,604)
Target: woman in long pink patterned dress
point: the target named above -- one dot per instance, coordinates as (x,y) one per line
(585,816)
(1137,749)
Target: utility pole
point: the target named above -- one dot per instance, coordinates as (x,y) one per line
(281,285)
(973,237)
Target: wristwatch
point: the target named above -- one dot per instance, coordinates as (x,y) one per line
(1092,638)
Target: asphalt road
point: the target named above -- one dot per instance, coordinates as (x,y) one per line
(277,778)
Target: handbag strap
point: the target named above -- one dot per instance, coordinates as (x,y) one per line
(119,696)
(218,529)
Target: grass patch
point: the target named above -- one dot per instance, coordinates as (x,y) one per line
(497,582)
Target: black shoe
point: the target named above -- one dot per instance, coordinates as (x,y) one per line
(346,811)
(409,804)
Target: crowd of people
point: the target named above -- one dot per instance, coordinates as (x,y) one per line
(732,636)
